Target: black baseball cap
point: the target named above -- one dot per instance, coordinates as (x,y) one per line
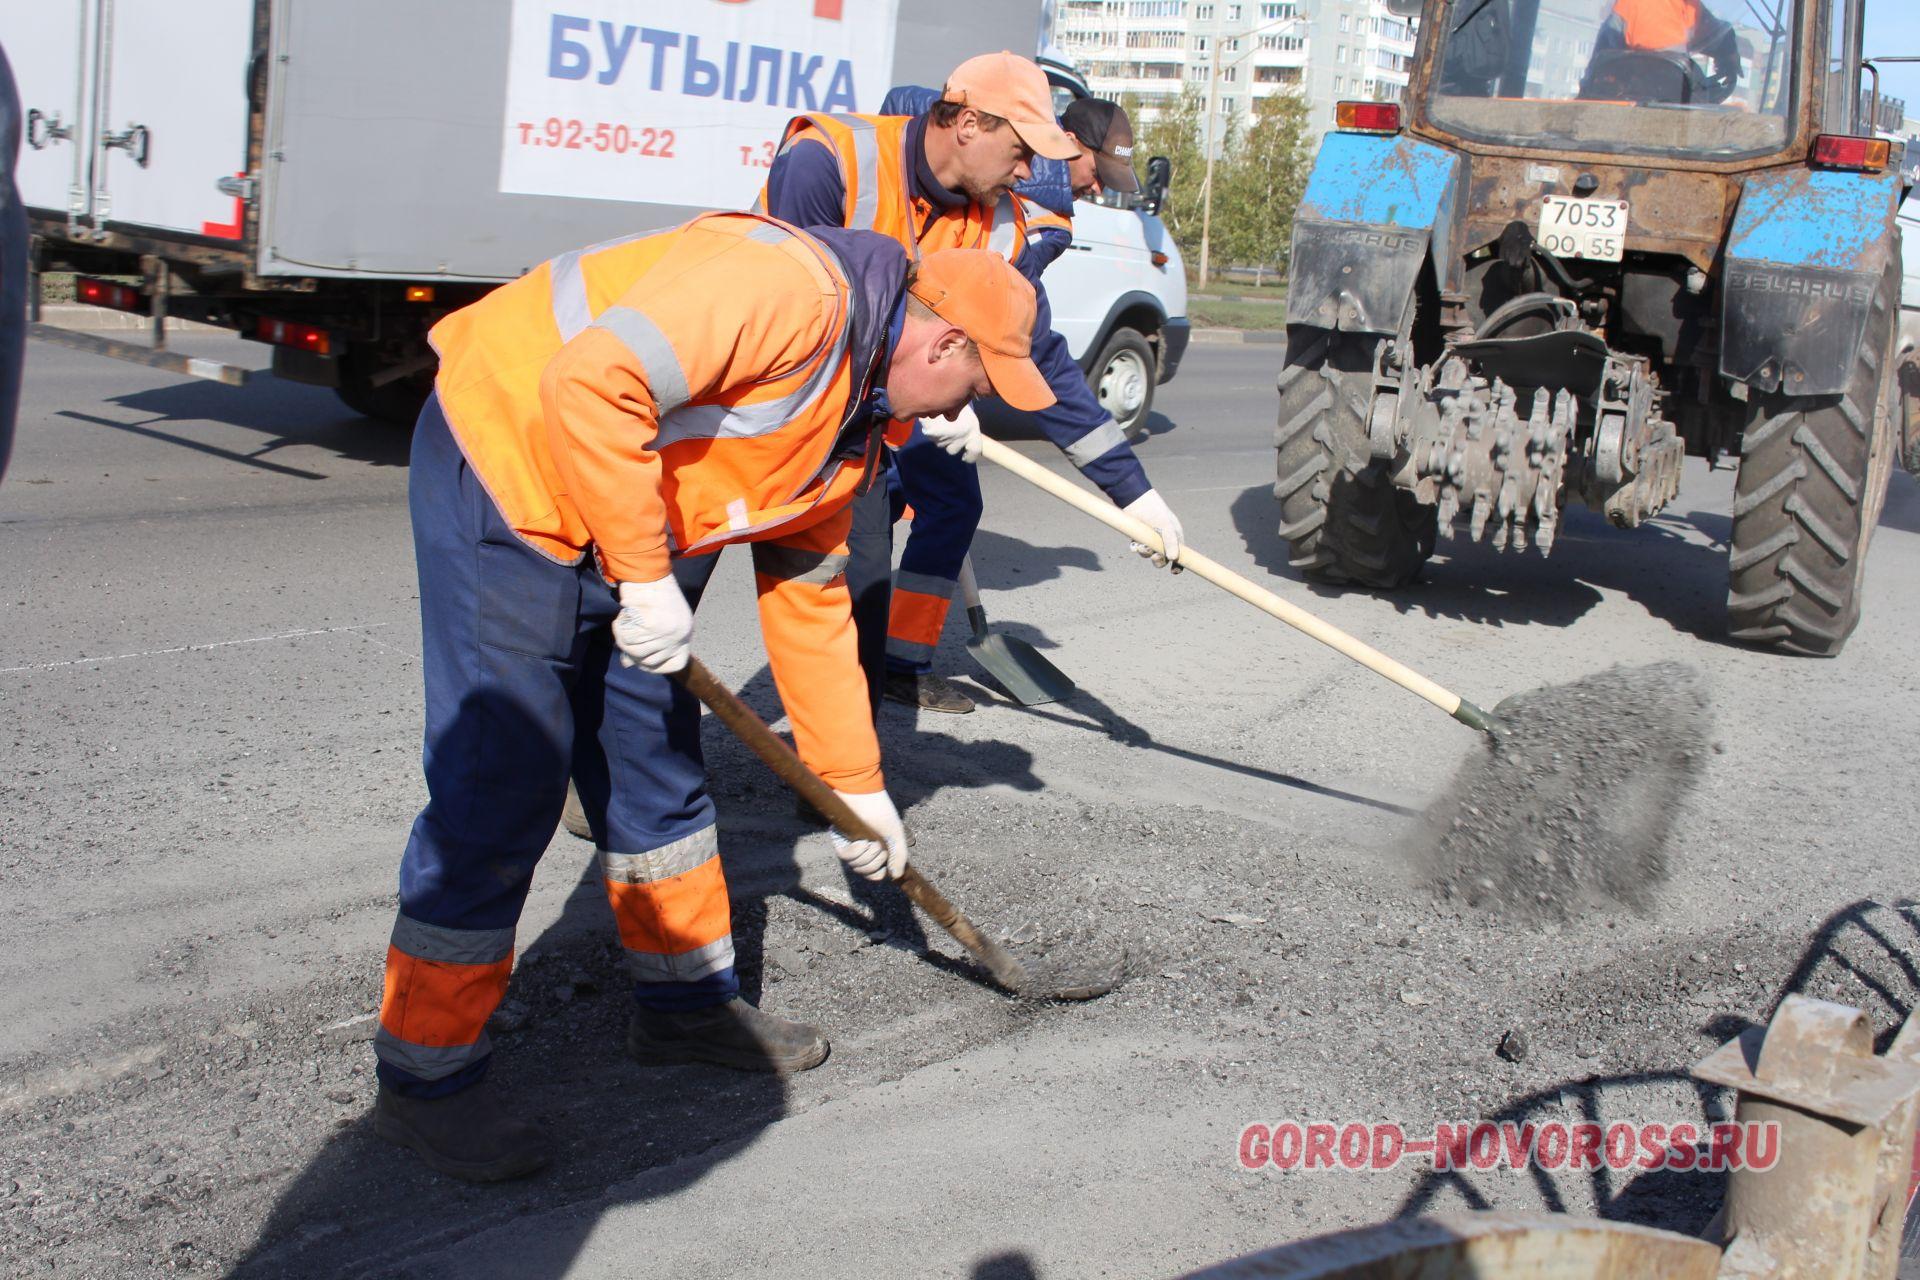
(1103,128)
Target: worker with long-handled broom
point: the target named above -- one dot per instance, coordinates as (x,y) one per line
(598,427)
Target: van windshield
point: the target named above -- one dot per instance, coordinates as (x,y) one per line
(1713,78)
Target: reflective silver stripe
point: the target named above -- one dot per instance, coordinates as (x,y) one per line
(1096,444)
(728,422)
(908,651)
(570,313)
(687,966)
(866,172)
(792,564)
(664,863)
(767,233)
(924,584)
(428,1062)
(1005,237)
(451,946)
(665,378)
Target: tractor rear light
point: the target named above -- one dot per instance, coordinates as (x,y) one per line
(285,333)
(1842,151)
(1366,117)
(1160,259)
(107,293)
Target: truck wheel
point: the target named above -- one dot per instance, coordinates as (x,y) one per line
(1343,518)
(1813,475)
(1122,379)
(397,402)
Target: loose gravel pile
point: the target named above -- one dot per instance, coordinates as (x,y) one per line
(1574,806)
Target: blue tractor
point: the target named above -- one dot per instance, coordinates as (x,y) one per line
(1602,235)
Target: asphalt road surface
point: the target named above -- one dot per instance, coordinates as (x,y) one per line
(210,688)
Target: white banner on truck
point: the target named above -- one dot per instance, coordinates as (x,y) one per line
(679,103)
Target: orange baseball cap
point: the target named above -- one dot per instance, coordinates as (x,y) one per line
(978,291)
(1015,89)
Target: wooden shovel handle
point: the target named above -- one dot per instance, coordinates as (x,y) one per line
(780,758)
(1234,584)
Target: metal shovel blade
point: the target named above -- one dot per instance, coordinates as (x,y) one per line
(1019,668)
(1015,665)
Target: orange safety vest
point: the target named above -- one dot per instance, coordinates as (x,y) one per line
(874,168)
(741,447)
(1657,24)
(1038,217)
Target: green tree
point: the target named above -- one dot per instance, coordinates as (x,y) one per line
(1258,184)
(1176,131)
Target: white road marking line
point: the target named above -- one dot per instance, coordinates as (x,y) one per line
(193,648)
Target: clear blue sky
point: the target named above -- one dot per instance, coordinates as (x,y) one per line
(1893,28)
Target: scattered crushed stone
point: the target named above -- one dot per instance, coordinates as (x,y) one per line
(1574,806)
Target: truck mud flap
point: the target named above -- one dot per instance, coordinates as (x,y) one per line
(139,353)
(1373,208)
(1807,251)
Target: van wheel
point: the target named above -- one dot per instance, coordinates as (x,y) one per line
(1122,379)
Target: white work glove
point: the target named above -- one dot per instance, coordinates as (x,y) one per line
(1152,509)
(876,860)
(959,436)
(655,626)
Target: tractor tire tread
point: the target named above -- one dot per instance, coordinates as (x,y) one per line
(1804,504)
(1344,522)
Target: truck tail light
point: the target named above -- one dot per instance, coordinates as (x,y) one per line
(285,333)
(1842,151)
(1366,117)
(106,293)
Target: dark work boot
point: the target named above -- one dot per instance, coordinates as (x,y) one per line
(927,691)
(734,1034)
(465,1135)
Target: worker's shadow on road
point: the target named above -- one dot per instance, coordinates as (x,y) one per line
(1675,567)
(1861,955)
(285,414)
(625,1134)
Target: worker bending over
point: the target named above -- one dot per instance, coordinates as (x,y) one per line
(941,179)
(609,420)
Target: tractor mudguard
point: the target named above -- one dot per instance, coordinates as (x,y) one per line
(1807,251)
(1374,207)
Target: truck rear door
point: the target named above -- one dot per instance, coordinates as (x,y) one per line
(136,109)
(51,49)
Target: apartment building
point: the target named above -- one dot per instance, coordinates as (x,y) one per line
(1328,50)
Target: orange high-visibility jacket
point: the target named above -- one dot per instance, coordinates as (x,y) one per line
(683,390)
(874,166)
(1657,24)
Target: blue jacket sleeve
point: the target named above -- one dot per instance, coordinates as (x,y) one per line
(1085,432)
(804,187)
(1043,246)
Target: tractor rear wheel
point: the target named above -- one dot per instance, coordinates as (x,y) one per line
(1341,515)
(1813,476)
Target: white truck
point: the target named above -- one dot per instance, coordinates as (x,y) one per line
(332,177)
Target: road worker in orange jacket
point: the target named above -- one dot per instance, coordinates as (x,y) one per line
(1684,27)
(941,178)
(599,429)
